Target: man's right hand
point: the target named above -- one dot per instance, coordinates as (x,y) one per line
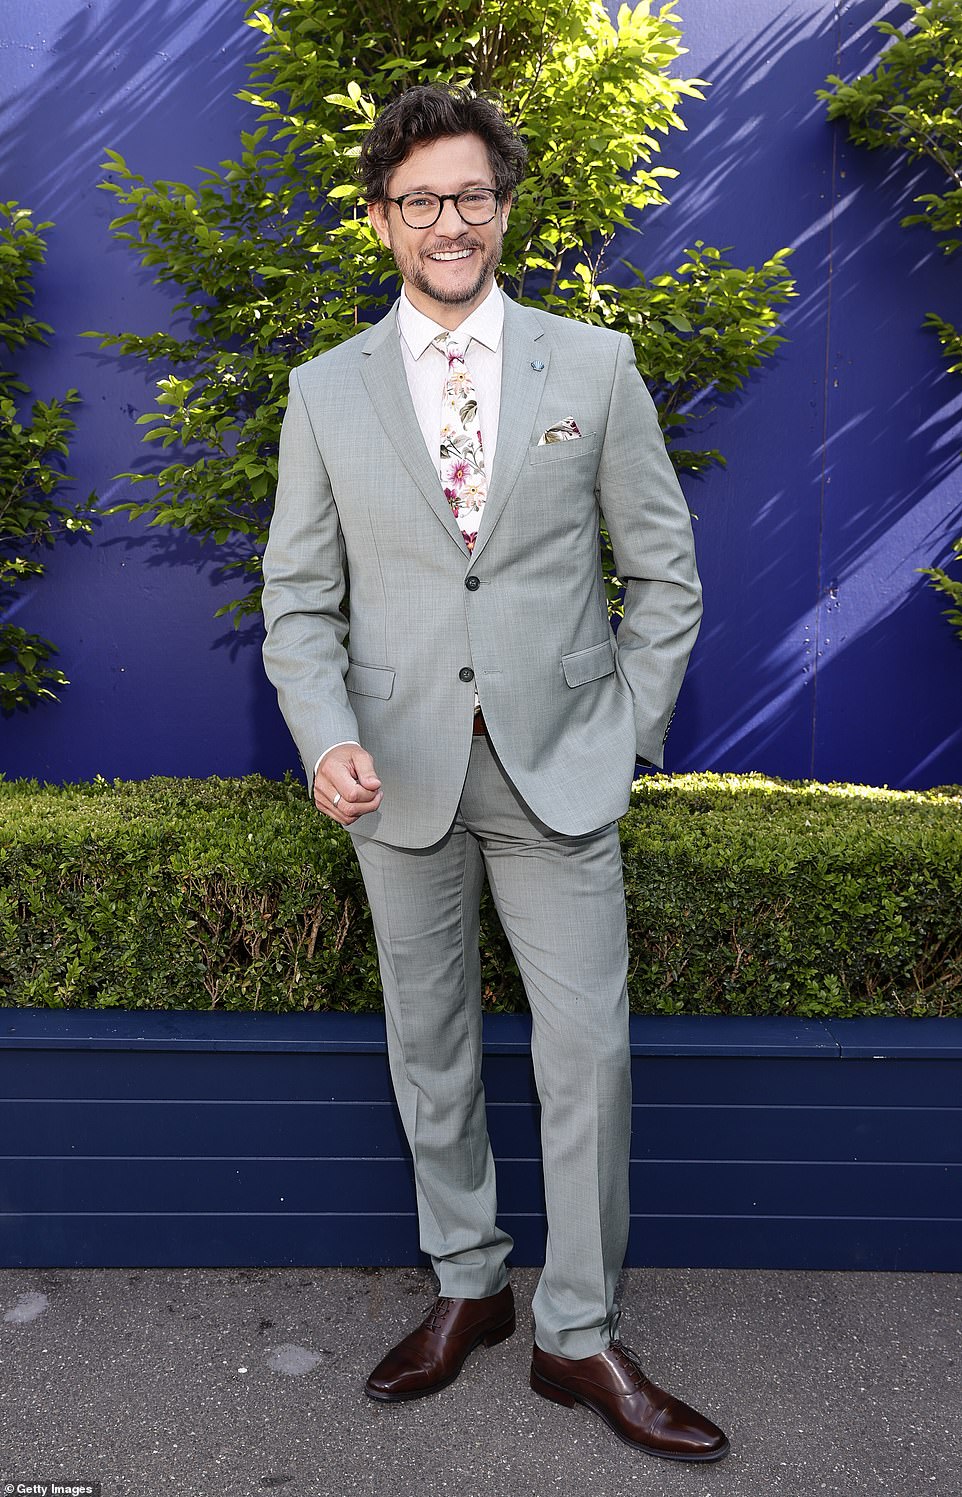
(345,785)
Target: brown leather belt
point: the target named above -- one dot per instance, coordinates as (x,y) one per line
(479,726)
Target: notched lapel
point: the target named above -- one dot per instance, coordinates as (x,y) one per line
(382,369)
(522,386)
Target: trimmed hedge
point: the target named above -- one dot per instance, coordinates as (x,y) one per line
(746,895)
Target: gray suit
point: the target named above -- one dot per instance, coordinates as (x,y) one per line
(567,707)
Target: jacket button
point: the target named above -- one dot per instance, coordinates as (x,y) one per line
(466,673)
(472,583)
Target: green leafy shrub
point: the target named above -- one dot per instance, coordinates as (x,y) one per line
(745,895)
(31,516)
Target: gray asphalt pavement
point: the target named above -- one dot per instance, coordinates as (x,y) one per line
(210,1383)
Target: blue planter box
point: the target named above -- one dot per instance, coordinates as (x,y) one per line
(206,1139)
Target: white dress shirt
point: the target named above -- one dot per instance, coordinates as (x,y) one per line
(426,367)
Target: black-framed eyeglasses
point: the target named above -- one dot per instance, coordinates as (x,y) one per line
(476,205)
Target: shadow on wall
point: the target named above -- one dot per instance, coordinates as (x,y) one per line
(115,65)
(156,80)
(844,455)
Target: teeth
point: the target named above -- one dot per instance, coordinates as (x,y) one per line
(452,255)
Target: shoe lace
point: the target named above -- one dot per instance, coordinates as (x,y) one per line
(438,1313)
(628,1359)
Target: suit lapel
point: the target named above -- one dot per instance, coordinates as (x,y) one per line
(522,386)
(384,377)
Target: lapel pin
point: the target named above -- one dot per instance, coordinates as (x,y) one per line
(537,365)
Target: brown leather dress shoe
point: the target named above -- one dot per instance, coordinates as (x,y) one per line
(640,1413)
(433,1355)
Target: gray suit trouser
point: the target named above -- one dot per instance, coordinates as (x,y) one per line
(561,902)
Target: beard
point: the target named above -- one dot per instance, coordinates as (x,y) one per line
(416,270)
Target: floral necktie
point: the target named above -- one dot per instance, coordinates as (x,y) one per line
(463,477)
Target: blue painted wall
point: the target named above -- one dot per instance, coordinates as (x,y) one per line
(822,652)
(160,1139)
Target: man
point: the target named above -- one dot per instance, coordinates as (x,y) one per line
(468,711)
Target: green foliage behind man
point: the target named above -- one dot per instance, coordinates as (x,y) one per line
(275,260)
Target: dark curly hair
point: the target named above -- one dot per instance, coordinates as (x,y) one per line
(425,113)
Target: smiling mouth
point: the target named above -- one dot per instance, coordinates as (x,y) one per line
(444,256)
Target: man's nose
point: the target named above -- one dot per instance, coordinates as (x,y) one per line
(451,224)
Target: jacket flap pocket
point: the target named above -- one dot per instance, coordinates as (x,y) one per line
(369,680)
(589,665)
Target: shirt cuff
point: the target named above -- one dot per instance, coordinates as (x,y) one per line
(328,750)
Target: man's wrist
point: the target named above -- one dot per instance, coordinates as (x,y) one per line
(343,744)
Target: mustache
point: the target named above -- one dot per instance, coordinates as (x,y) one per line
(449,248)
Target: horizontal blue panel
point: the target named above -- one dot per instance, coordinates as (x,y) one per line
(798,1083)
(188,1029)
(233,1186)
(932,1246)
(284,1186)
(918,1135)
(504,1033)
(681,1034)
(152,1074)
(725,1188)
(898,1039)
(206,1241)
(155,1075)
(195,1129)
(726,1035)
(688,1034)
(199,1130)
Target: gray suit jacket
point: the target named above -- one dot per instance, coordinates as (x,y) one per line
(379,623)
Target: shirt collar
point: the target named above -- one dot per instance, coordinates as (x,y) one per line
(485,324)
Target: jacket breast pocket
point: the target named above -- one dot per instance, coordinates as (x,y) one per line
(564,452)
(589,665)
(369,680)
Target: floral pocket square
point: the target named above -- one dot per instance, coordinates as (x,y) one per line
(562,431)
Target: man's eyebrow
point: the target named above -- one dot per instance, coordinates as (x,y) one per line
(465,186)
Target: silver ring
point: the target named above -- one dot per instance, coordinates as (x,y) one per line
(337,796)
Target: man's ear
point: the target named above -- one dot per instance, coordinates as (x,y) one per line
(378,218)
(505,210)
